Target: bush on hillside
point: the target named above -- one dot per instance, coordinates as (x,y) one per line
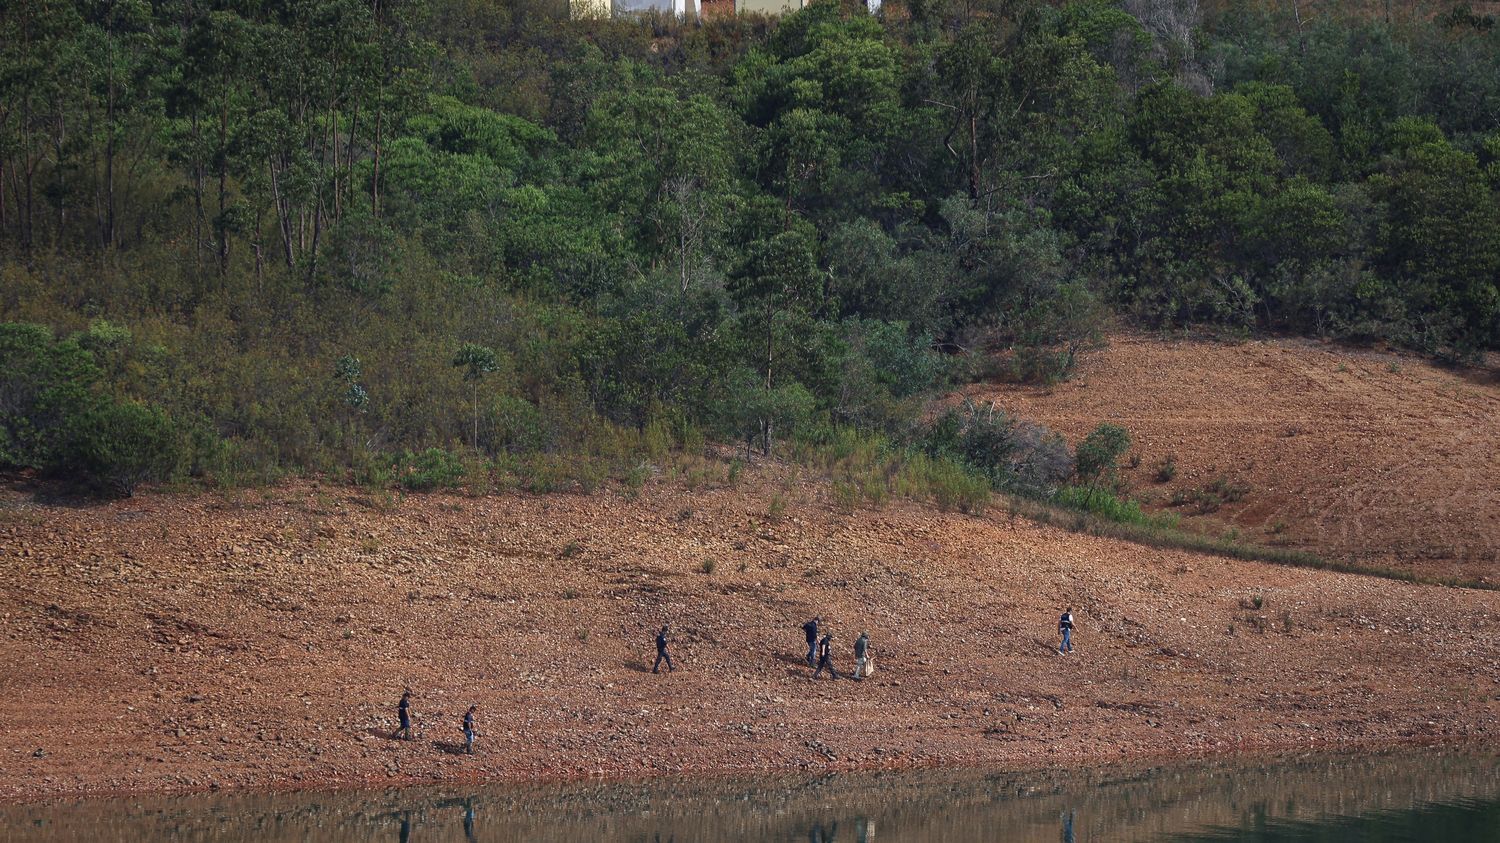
(123,444)
(1012,453)
(46,390)
(55,419)
(434,468)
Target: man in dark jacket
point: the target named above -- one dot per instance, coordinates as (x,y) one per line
(403,711)
(1065,629)
(825,657)
(811,628)
(661,651)
(861,653)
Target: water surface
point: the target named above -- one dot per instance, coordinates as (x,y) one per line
(1407,795)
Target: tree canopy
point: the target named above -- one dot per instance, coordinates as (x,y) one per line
(756,227)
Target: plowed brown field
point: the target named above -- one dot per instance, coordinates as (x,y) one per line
(175,642)
(1364,456)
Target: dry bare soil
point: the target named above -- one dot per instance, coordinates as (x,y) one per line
(1371,457)
(186,642)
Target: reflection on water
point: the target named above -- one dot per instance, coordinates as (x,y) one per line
(1459,820)
(1404,795)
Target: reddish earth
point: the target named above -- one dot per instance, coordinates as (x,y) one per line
(261,640)
(1365,456)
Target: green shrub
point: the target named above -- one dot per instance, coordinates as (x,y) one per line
(635,478)
(954,488)
(372,471)
(434,468)
(542,473)
(55,418)
(1011,453)
(845,495)
(46,394)
(777,508)
(1099,453)
(515,425)
(124,444)
(588,472)
(1110,506)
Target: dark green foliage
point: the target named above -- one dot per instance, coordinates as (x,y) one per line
(434,468)
(1439,240)
(760,231)
(46,392)
(55,419)
(122,444)
(1097,456)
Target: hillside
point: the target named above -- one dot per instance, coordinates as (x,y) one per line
(1368,456)
(473,228)
(182,642)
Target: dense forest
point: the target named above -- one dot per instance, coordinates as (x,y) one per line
(408,237)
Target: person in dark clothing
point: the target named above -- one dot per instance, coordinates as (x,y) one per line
(825,657)
(1065,629)
(861,652)
(661,651)
(469,731)
(811,628)
(403,711)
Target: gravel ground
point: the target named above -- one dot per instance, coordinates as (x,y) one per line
(1368,456)
(260,640)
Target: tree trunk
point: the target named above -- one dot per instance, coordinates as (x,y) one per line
(973,155)
(375,151)
(28,208)
(221,161)
(283,217)
(197,195)
(108,233)
(765,425)
(1297,16)
(59,138)
(319,212)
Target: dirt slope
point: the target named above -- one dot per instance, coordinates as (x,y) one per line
(183,642)
(1374,457)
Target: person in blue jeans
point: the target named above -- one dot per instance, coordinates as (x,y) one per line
(811,628)
(469,731)
(1065,629)
(661,651)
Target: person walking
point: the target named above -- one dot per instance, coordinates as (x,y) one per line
(811,628)
(469,731)
(861,655)
(661,650)
(825,657)
(1065,629)
(403,711)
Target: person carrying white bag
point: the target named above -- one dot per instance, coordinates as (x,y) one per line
(864,665)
